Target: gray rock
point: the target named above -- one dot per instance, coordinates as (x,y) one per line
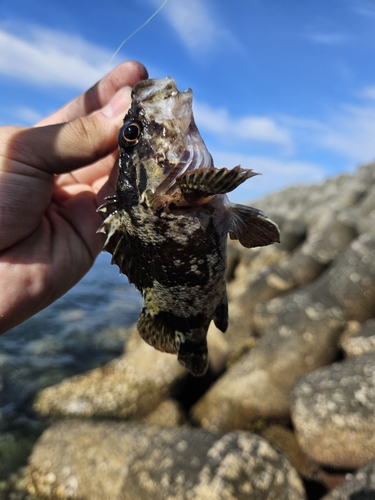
(350,280)
(293,232)
(168,414)
(258,386)
(348,285)
(109,460)
(333,411)
(128,387)
(358,486)
(359,339)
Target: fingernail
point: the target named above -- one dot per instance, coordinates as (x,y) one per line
(119,103)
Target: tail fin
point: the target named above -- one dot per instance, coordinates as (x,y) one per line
(194,356)
(160,331)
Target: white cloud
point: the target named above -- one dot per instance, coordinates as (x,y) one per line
(48,57)
(25,115)
(333,39)
(351,133)
(276,174)
(195,24)
(253,128)
(368,92)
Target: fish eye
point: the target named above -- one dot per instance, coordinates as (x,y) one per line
(130,133)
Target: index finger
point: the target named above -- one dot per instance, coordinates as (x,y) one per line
(126,74)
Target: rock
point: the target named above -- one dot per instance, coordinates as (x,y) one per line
(333,412)
(121,461)
(284,439)
(15,487)
(358,486)
(350,281)
(258,386)
(128,387)
(359,339)
(167,414)
(293,232)
(347,285)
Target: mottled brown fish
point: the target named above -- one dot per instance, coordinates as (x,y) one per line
(168,222)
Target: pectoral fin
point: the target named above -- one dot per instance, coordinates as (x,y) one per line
(206,182)
(251,227)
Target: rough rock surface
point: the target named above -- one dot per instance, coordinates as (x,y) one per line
(333,411)
(128,387)
(358,486)
(296,309)
(359,338)
(259,384)
(120,461)
(131,386)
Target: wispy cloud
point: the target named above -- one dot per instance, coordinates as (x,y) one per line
(331,39)
(364,7)
(25,115)
(250,128)
(196,25)
(349,132)
(368,92)
(276,174)
(46,57)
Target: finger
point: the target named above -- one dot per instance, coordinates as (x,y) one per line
(89,175)
(125,74)
(65,147)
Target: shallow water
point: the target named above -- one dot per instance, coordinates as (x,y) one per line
(82,330)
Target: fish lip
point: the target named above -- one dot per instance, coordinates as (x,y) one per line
(147,90)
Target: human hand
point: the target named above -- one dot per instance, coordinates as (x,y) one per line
(48,218)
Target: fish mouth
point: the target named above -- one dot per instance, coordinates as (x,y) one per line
(155,88)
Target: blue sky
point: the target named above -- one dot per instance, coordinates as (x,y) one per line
(286,88)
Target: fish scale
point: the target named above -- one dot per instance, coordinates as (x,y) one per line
(167,224)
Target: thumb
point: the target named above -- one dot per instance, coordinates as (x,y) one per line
(64,147)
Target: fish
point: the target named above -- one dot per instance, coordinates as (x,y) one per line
(168,222)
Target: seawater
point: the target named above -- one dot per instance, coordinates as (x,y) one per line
(85,328)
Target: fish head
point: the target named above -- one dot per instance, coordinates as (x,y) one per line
(159,137)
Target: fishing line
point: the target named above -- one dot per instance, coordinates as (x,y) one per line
(136,31)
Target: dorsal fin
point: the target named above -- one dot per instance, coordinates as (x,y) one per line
(205,182)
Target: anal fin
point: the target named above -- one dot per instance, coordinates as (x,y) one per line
(157,333)
(251,227)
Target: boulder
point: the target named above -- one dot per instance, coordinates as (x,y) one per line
(123,461)
(333,412)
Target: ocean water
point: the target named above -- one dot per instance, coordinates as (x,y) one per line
(85,328)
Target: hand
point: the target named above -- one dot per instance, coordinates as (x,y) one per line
(48,217)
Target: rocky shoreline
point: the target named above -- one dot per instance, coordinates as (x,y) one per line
(287,409)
